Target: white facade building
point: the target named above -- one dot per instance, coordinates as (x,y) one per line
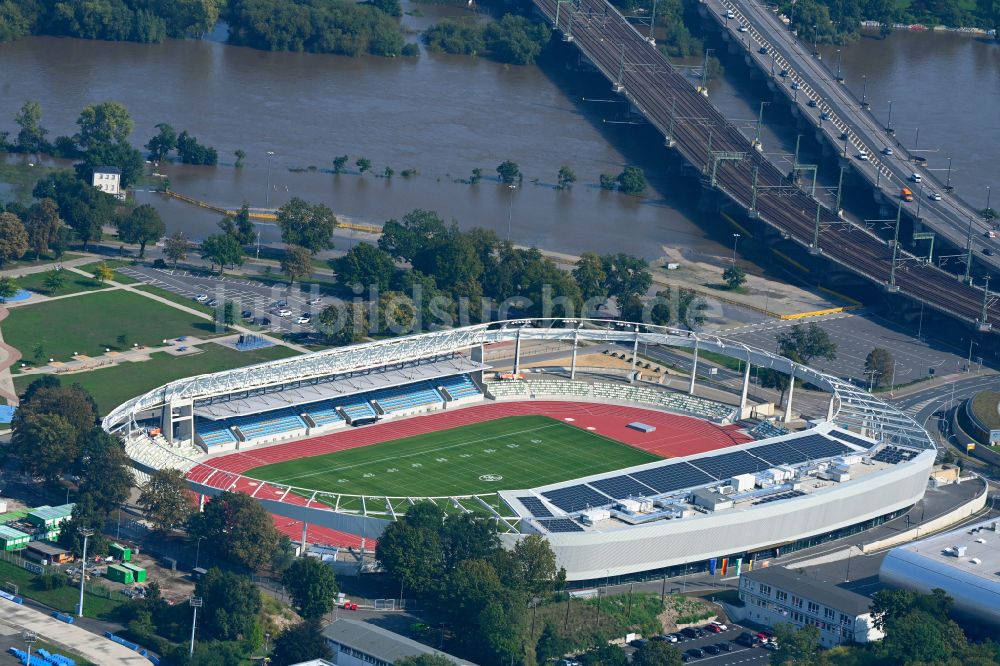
(108,179)
(775,595)
(356,643)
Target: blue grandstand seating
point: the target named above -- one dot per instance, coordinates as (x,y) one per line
(410,396)
(215,433)
(460,386)
(358,409)
(254,426)
(323,413)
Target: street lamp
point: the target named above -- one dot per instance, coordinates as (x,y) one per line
(864,91)
(736,239)
(29,638)
(267,640)
(510,207)
(267,193)
(86,533)
(888,124)
(840,59)
(195,603)
(197,553)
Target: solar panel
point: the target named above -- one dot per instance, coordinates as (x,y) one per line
(560,525)
(730,464)
(576,498)
(779,453)
(818,446)
(621,487)
(535,506)
(780,496)
(851,438)
(672,477)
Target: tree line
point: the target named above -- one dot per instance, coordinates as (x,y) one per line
(513,39)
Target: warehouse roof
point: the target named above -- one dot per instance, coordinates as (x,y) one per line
(10,533)
(52,512)
(380,643)
(814,589)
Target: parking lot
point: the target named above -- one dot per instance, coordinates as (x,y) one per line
(738,654)
(263,302)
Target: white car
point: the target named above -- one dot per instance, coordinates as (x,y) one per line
(201,298)
(284,312)
(934,196)
(720,625)
(743,28)
(863,156)
(316,301)
(730,14)
(915,177)
(304,319)
(887,151)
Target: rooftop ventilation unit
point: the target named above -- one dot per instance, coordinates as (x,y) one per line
(975,560)
(960,551)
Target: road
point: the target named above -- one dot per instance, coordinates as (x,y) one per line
(845,114)
(711,143)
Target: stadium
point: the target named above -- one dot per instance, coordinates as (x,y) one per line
(625,477)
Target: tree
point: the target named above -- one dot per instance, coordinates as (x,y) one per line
(142,225)
(241,156)
(405,238)
(31,136)
(103,273)
(226,313)
(477,175)
(509,172)
(465,538)
(566,178)
(176,247)
(162,143)
(410,549)
(397,313)
(551,645)
(239,226)
(222,249)
(433,659)
(516,39)
(231,603)
(535,563)
(102,125)
(365,265)
(70,402)
(42,224)
(363,164)
(8,288)
(881,366)
(625,276)
(165,500)
(920,637)
(13,238)
(339,163)
(605,655)
(632,180)
(46,444)
(608,181)
(803,344)
(796,647)
(192,152)
(312,587)
(54,281)
(296,263)
(735,277)
(657,653)
(84,208)
(388,173)
(300,643)
(590,276)
(105,471)
(307,225)
(237,528)
(343,323)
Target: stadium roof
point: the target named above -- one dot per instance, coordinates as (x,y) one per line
(252,402)
(380,643)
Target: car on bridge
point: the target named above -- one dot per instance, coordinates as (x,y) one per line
(825,115)
(863,156)
(730,14)
(887,151)
(813,104)
(988,251)
(934,196)
(762,50)
(796,85)
(743,28)
(915,177)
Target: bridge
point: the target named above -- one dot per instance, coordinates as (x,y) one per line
(820,97)
(731,165)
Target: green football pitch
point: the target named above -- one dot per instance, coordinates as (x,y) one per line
(504,454)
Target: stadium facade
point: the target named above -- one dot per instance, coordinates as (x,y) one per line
(862,463)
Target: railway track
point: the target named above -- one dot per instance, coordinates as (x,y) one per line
(699,130)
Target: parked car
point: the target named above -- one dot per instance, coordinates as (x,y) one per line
(711,649)
(284,312)
(264,321)
(747,639)
(696,653)
(316,301)
(725,647)
(720,625)
(690,632)
(305,318)
(247,314)
(714,628)
(201,298)
(638,642)
(213,303)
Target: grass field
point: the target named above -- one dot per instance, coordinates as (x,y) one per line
(73,283)
(114,385)
(91,323)
(508,453)
(113,264)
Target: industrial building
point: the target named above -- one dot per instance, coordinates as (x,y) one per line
(356,643)
(964,563)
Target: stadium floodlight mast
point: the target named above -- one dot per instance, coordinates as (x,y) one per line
(196,603)
(86,533)
(29,637)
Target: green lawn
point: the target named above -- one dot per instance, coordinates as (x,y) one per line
(984,406)
(91,323)
(525,451)
(64,598)
(177,298)
(114,264)
(114,385)
(73,283)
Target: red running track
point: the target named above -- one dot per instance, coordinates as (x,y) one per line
(675,435)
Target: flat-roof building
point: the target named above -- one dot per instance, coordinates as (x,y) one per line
(356,643)
(964,563)
(11,539)
(775,595)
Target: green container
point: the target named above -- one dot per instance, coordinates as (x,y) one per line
(120,574)
(120,552)
(138,573)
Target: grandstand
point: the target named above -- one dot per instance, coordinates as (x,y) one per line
(865,461)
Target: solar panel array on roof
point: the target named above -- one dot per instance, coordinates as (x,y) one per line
(893,455)
(621,487)
(780,496)
(576,498)
(818,446)
(851,438)
(780,453)
(560,525)
(672,477)
(730,464)
(535,506)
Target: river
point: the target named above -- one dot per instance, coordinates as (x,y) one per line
(444,115)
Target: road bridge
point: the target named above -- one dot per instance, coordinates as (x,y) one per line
(733,167)
(846,123)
